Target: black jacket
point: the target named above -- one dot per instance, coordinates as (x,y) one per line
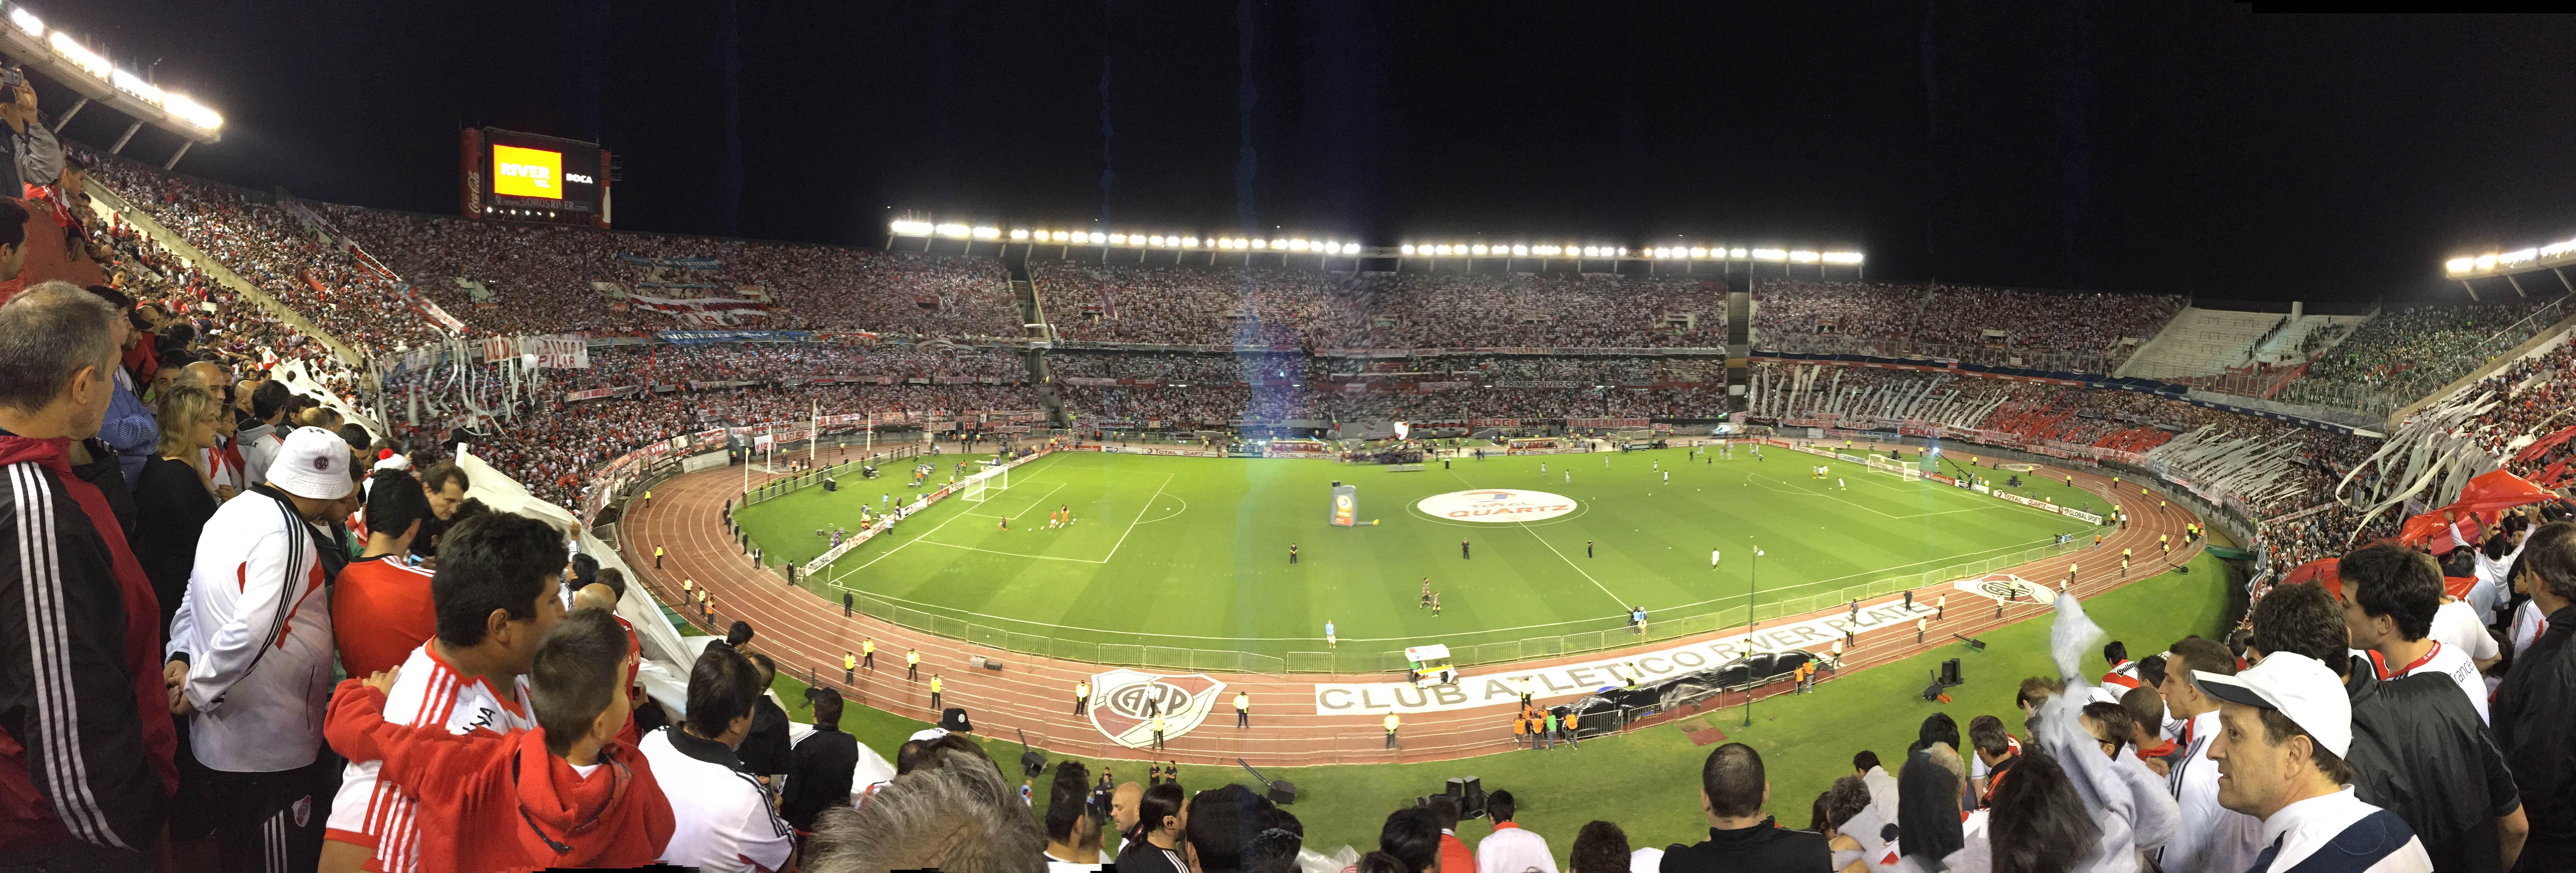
(2535,726)
(171,507)
(87,750)
(1762,848)
(765,751)
(820,777)
(2418,750)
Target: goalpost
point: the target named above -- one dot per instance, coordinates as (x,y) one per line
(1892,468)
(978,488)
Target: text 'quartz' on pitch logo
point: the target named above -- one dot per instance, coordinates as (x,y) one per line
(1496,505)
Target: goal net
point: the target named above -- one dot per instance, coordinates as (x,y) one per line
(1892,468)
(981,487)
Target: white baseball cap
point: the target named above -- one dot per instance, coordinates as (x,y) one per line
(2296,685)
(313,463)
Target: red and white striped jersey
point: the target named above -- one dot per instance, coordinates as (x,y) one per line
(379,815)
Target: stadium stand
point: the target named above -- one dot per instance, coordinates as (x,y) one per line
(2201,342)
(928,322)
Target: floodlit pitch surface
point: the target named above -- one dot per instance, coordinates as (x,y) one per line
(1193,552)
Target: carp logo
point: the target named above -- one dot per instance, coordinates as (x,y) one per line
(1496,505)
(1127,702)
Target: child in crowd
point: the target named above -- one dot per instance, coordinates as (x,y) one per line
(564,795)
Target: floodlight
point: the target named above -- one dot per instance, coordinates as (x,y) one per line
(1060,236)
(1698,252)
(79,55)
(1479,248)
(1520,250)
(2461,265)
(1803,257)
(988,233)
(133,84)
(1098,237)
(26,21)
(1406,248)
(2518,256)
(1770,255)
(1842,257)
(1019,233)
(1296,245)
(1190,242)
(1591,251)
(2486,262)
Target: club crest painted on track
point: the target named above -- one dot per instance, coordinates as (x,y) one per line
(1126,700)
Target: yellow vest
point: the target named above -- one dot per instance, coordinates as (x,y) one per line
(934,684)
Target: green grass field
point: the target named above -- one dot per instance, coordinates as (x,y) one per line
(1193,552)
(1647,780)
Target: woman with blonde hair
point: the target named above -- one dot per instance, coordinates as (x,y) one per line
(173,497)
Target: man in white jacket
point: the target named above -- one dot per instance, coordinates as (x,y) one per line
(250,654)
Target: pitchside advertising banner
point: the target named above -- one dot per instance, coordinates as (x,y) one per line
(1569,680)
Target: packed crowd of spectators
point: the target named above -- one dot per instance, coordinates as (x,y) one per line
(268,247)
(618,366)
(2089,331)
(1304,309)
(539,278)
(2397,342)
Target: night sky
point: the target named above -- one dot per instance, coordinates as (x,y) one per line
(2186,147)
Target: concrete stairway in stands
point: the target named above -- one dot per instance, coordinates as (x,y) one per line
(2200,342)
(2283,347)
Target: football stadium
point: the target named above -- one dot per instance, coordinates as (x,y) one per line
(1226,438)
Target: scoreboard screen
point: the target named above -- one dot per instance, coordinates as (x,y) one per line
(517,176)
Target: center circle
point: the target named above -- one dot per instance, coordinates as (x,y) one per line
(1496,505)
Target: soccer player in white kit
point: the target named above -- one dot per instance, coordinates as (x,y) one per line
(1712,559)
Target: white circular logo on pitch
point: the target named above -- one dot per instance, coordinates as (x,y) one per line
(1496,505)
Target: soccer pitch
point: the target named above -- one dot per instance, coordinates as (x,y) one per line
(1193,552)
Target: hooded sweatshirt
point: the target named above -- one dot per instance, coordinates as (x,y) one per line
(84,750)
(526,807)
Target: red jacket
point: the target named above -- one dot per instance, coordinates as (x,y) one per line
(525,807)
(85,732)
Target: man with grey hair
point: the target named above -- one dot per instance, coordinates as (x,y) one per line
(953,811)
(90,773)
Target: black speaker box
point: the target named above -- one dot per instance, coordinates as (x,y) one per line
(1469,792)
(1283,792)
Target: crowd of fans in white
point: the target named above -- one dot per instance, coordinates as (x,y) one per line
(2084,331)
